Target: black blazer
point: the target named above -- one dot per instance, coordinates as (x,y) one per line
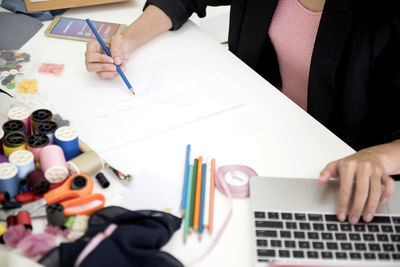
(354,82)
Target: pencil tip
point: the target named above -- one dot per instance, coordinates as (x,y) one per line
(190,230)
(131,89)
(184,239)
(183,212)
(200,237)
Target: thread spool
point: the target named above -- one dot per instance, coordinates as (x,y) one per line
(2,230)
(9,205)
(38,183)
(1,140)
(48,128)
(233,180)
(3,159)
(54,166)
(8,178)
(11,220)
(4,196)
(21,114)
(70,221)
(35,143)
(25,162)
(67,138)
(14,141)
(27,197)
(23,185)
(88,162)
(14,126)
(38,116)
(24,218)
(55,215)
(102,180)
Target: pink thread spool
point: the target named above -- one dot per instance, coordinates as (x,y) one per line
(21,114)
(53,164)
(37,142)
(1,140)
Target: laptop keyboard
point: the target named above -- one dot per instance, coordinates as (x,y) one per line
(312,236)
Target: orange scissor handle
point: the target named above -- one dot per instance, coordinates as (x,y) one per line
(74,186)
(82,201)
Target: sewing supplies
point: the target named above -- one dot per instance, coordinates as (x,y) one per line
(1,140)
(38,183)
(11,220)
(123,177)
(21,114)
(14,126)
(35,143)
(193,198)
(9,178)
(7,205)
(109,54)
(13,141)
(185,180)
(23,185)
(47,128)
(198,195)
(207,196)
(28,86)
(53,164)
(212,194)
(55,215)
(102,180)
(24,160)
(38,116)
(26,197)
(74,193)
(24,219)
(3,158)
(55,69)
(188,211)
(67,138)
(2,229)
(4,196)
(88,162)
(202,200)
(69,222)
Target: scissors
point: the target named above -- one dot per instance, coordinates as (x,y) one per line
(74,192)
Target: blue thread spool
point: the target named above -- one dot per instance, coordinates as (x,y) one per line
(23,185)
(48,128)
(25,162)
(67,138)
(8,178)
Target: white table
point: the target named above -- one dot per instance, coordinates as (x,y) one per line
(269,133)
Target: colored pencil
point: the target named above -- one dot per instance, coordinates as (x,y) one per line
(202,200)
(198,196)
(185,180)
(192,201)
(188,202)
(109,54)
(207,196)
(212,193)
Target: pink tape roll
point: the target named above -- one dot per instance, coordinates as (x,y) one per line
(53,164)
(21,114)
(233,180)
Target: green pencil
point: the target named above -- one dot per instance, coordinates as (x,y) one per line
(194,179)
(188,203)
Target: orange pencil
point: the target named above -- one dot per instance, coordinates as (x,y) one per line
(196,216)
(212,190)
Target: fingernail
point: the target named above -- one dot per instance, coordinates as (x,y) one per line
(368,217)
(117,60)
(342,216)
(353,219)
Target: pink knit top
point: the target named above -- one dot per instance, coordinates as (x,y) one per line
(293,30)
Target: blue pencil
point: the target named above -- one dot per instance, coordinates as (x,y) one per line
(203,190)
(109,54)
(189,197)
(185,180)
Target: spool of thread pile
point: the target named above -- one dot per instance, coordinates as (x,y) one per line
(14,141)
(48,128)
(25,162)
(53,164)
(14,126)
(21,114)
(35,143)
(38,116)
(38,183)
(88,162)
(67,138)
(8,178)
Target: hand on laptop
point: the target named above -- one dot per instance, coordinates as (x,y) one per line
(370,169)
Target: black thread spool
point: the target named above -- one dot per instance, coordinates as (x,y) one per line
(37,182)
(40,115)
(102,180)
(55,215)
(48,128)
(14,126)
(35,143)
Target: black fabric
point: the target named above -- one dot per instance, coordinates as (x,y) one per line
(354,82)
(136,241)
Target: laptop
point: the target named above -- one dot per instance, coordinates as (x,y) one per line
(294,221)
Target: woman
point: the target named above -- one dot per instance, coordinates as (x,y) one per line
(337,59)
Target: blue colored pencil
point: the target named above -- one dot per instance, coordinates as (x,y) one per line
(109,54)
(185,180)
(203,190)
(189,197)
